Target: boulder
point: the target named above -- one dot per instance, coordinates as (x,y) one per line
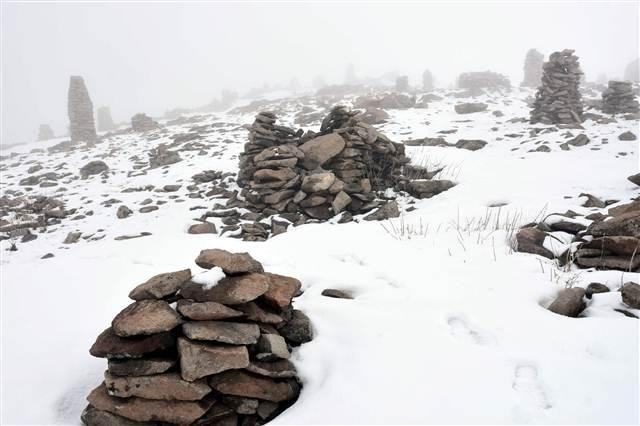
(631,295)
(204,311)
(281,290)
(202,228)
(627,136)
(471,144)
(319,150)
(123,212)
(93,168)
(627,224)
(387,211)
(428,188)
(140,366)
(595,288)
(569,302)
(298,329)
(530,240)
(470,107)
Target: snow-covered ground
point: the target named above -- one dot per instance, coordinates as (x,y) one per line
(448,324)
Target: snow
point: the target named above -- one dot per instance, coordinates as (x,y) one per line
(448,324)
(208,279)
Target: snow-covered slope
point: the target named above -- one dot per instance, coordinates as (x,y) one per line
(448,324)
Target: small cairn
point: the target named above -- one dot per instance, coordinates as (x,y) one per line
(45,132)
(142,123)
(80,109)
(532,69)
(558,100)
(209,349)
(105,122)
(619,98)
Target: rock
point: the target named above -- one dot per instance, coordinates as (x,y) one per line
(318,182)
(281,290)
(321,149)
(148,209)
(633,206)
(617,245)
(594,288)
(203,311)
(253,312)
(123,212)
(532,69)
(631,295)
(340,202)
(231,263)
(202,228)
(387,211)
(93,168)
(72,237)
(272,347)
(143,123)
(199,359)
(469,108)
(579,140)
(145,410)
(80,110)
(298,329)
(281,369)
(243,384)
(635,179)
(627,136)
(91,416)
(241,405)
(233,333)
(627,224)
(428,188)
(569,302)
(145,317)
(337,294)
(161,285)
(110,345)
(530,240)
(232,290)
(167,386)
(140,366)
(471,144)
(161,156)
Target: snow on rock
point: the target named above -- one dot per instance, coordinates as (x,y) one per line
(208,279)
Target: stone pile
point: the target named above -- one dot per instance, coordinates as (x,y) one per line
(619,97)
(45,132)
(321,174)
(105,122)
(142,123)
(80,109)
(212,349)
(532,69)
(558,99)
(476,81)
(427,81)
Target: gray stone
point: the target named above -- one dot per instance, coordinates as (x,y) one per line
(167,386)
(631,295)
(203,359)
(231,263)
(318,182)
(569,302)
(233,333)
(321,149)
(203,311)
(387,211)
(298,329)
(161,285)
(232,290)
(145,317)
(139,367)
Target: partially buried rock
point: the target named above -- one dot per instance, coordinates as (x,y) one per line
(635,179)
(471,144)
(569,302)
(469,108)
(233,333)
(93,168)
(428,188)
(123,212)
(203,228)
(627,136)
(336,294)
(167,386)
(530,240)
(145,317)
(231,263)
(387,211)
(594,288)
(110,345)
(631,295)
(239,383)
(161,285)
(202,359)
(229,291)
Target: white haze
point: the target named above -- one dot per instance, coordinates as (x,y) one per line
(150,57)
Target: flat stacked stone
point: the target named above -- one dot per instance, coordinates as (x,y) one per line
(619,97)
(80,109)
(45,132)
(558,100)
(532,69)
(185,352)
(476,81)
(105,122)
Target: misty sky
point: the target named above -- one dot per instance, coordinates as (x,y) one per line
(150,57)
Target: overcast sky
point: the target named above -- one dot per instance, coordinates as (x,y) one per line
(149,57)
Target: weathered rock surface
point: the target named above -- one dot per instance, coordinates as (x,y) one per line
(631,295)
(233,333)
(145,317)
(167,386)
(199,359)
(161,285)
(232,290)
(239,383)
(569,302)
(231,263)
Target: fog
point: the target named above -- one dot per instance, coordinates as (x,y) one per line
(151,57)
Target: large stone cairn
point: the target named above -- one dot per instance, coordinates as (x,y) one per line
(321,174)
(558,99)
(619,98)
(220,357)
(80,109)
(532,69)
(477,81)
(45,132)
(105,122)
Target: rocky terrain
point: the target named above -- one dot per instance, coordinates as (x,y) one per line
(495,244)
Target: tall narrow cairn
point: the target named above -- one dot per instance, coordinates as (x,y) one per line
(105,122)
(532,69)
(558,100)
(80,109)
(45,132)
(427,81)
(619,98)
(209,349)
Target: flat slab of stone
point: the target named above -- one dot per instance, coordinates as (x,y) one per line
(253,312)
(167,386)
(233,333)
(199,359)
(145,317)
(203,311)
(91,416)
(146,410)
(161,285)
(281,290)
(298,329)
(240,383)
(231,263)
(282,369)
(110,345)
(229,291)
(140,366)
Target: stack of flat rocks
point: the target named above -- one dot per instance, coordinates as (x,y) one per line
(619,98)
(80,109)
(558,100)
(209,349)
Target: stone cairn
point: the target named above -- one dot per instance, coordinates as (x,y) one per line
(619,98)
(532,69)
(427,81)
(105,122)
(142,123)
(558,100)
(476,81)
(80,109)
(220,357)
(402,84)
(45,132)
(320,175)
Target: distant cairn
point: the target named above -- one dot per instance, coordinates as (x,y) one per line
(532,69)
(619,98)
(558,99)
(80,109)
(45,132)
(105,122)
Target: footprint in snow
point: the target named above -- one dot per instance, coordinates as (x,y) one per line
(529,390)
(460,329)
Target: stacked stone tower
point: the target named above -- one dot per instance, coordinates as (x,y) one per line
(80,109)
